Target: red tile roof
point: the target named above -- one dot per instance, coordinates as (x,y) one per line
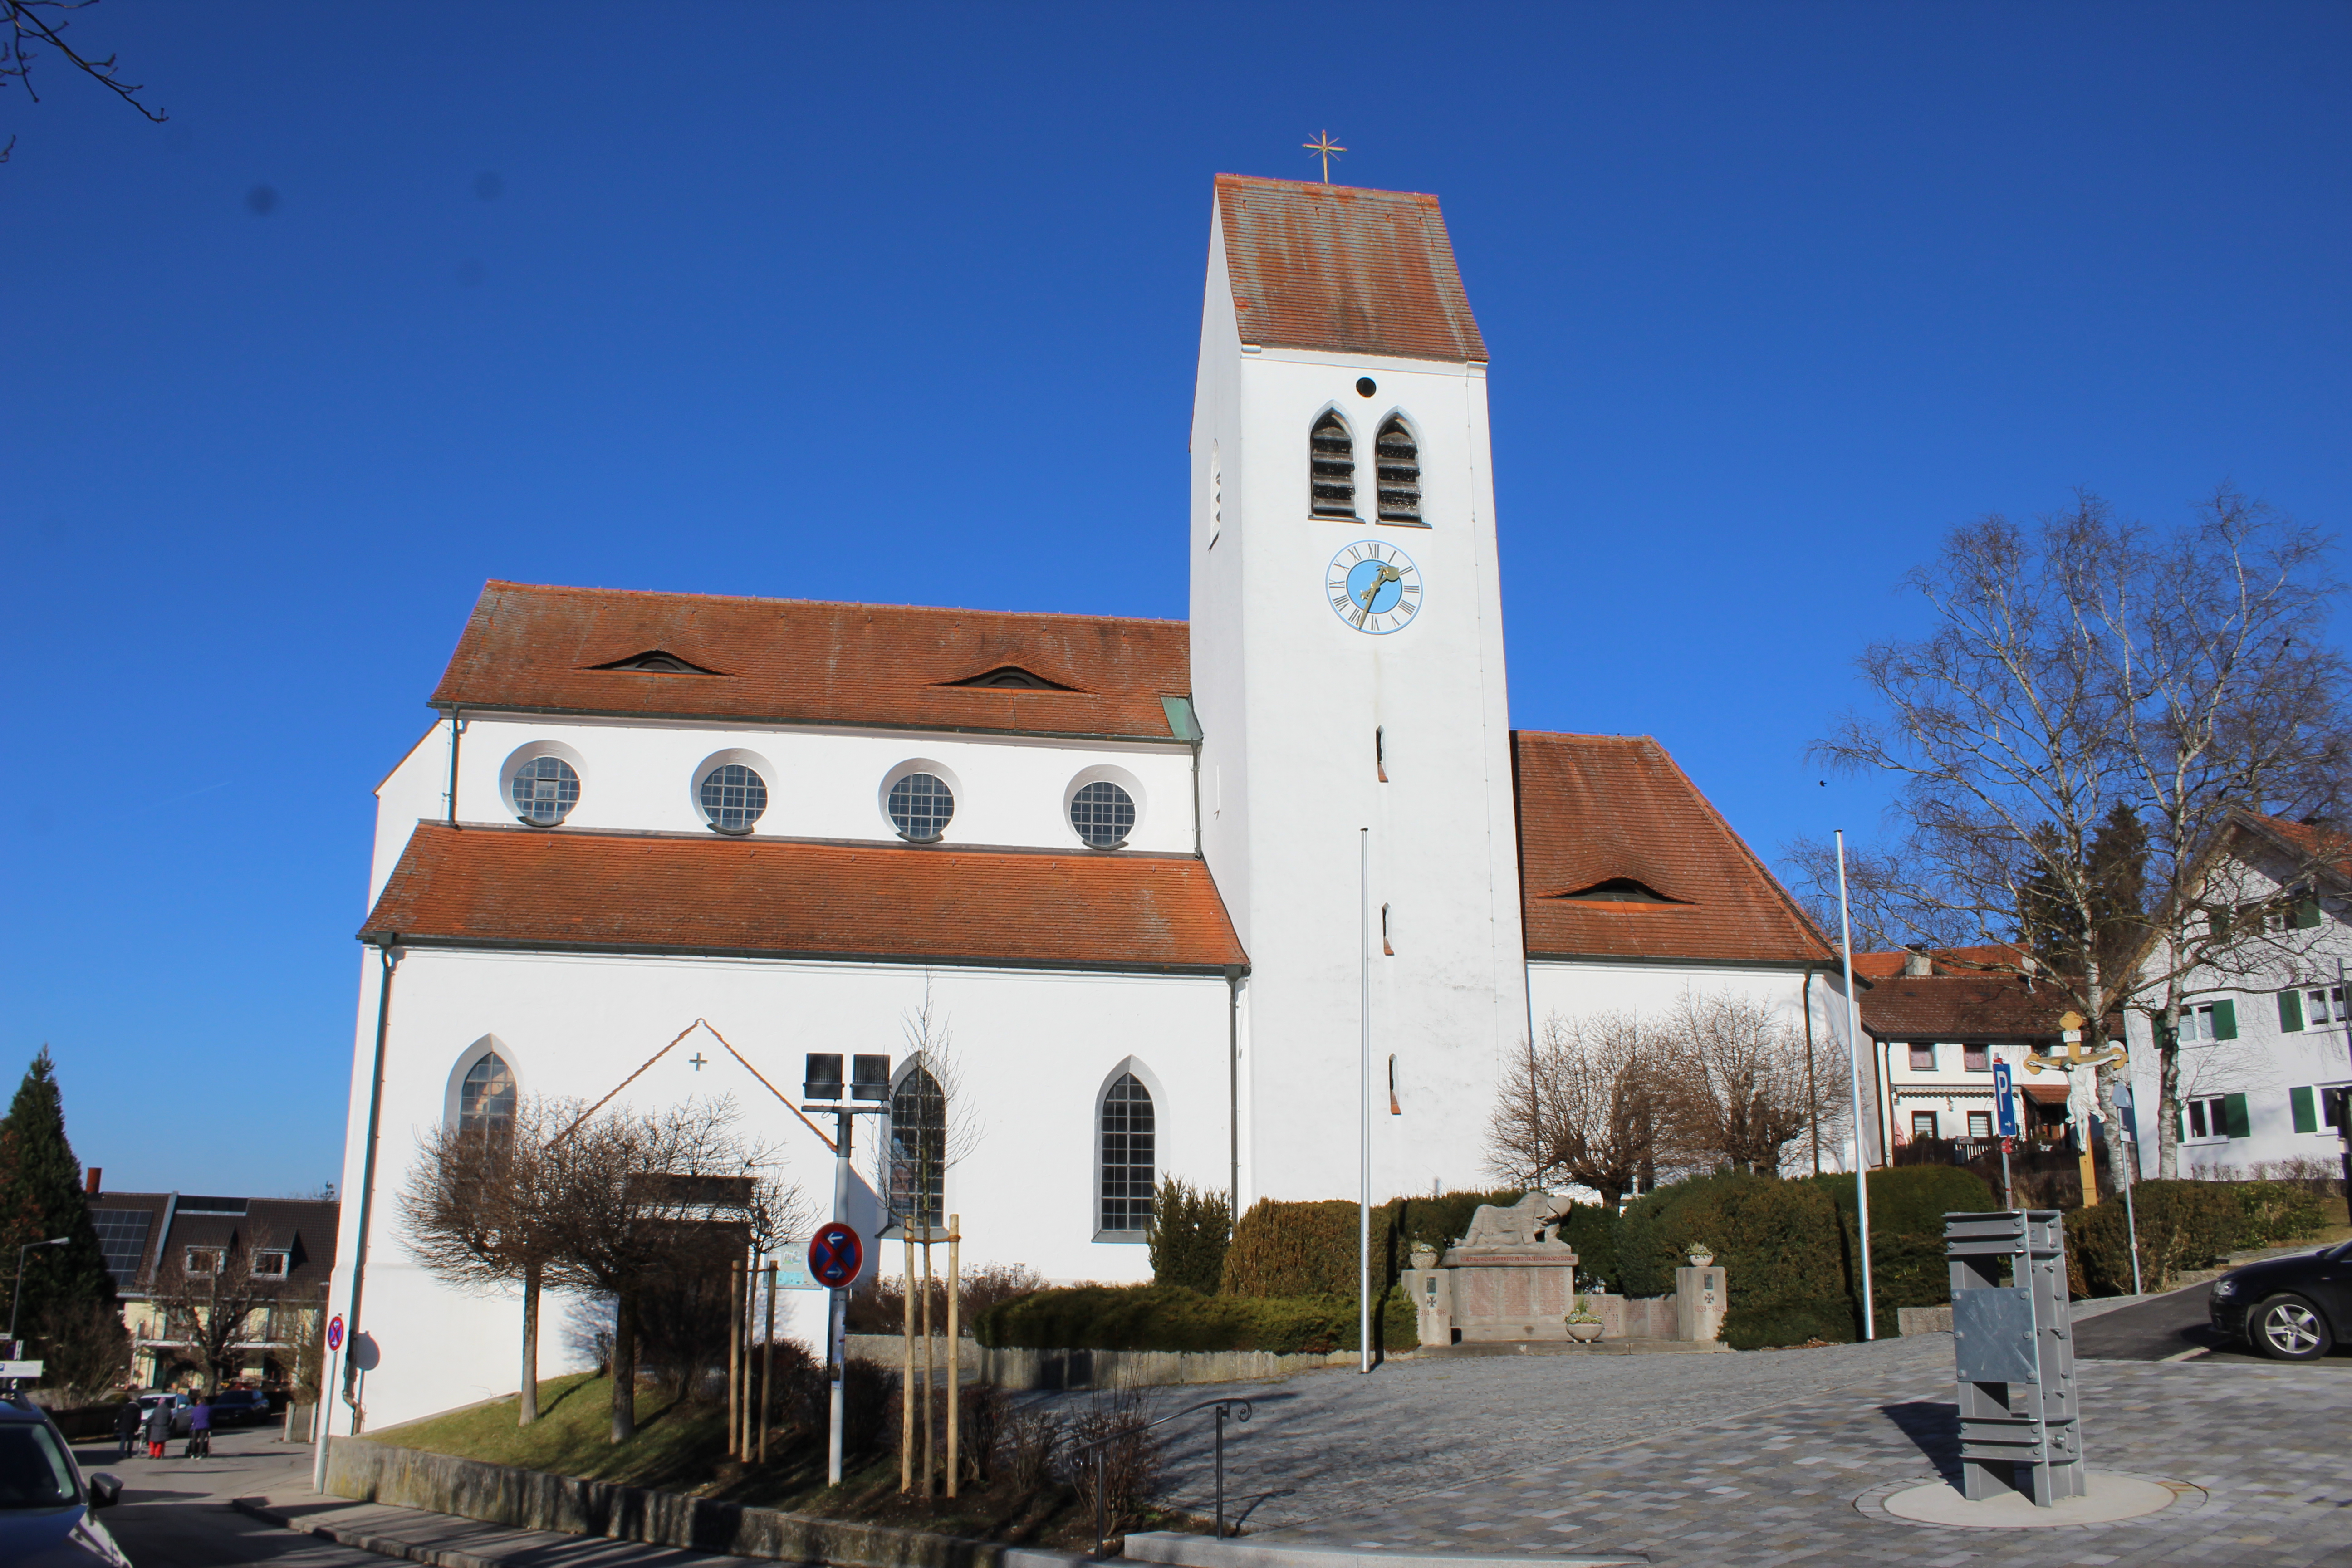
(1946,961)
(565,890)
(2314,844)
(1329,267)
(806,661)
(1963,1007)
(1600,808)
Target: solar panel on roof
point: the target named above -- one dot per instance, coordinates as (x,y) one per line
(123,1238)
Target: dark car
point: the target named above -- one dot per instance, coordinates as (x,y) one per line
(240,1407)
(47,1512)
(2295,1309)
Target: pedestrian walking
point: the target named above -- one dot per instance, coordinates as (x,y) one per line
(200,1429)
(126,1425)
(159,1425)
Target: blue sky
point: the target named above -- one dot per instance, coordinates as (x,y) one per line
(900,305)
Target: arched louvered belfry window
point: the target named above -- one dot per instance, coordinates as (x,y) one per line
(1399,464)
(1331,460)
(918,1148)
(1129,1158)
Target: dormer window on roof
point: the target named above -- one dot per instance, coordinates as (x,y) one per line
(655,661)
(1621,890)
(1010,677)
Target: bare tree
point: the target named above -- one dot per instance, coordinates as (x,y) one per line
(478,1212)
(1743,1087)
(207,1296)
(1589,1102)
(29,31)
(615,1183)
(2084,680)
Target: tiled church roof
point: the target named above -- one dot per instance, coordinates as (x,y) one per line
(1329,267)
(567,889)
(1613,812)
(804,661)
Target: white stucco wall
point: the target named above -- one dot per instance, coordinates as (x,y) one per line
(1037,1049)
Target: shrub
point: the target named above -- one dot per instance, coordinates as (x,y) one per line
(1027,1444)
(1908,1206)
(1112,1441)
(1283,1249)
(878,1304)
(2278,1211)
(1760,1327)
(1171,1318)
(1189,1232)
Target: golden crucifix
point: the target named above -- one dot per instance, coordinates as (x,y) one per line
(1324,145)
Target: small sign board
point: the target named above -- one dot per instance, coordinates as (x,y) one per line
(21,1368)
(792,1276)
(2004,1099)
(836,1255)
(335,1332)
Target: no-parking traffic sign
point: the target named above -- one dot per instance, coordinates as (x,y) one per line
(836,1255)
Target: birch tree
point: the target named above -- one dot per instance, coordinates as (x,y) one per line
(2087,677)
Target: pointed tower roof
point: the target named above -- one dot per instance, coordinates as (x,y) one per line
(1331,267)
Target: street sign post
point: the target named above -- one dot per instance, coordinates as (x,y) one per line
(335,1332)
(836,1255)
(2005,1114)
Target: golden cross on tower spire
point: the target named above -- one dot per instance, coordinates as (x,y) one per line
(1324,145)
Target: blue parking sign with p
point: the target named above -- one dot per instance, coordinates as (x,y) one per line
(2004,1101)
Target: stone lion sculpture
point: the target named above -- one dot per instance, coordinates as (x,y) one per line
(1527,1223)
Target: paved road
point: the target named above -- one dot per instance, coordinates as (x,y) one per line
(174,1512)
(2172,1325)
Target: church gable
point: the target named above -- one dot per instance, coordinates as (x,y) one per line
(608,651)
(1622,856)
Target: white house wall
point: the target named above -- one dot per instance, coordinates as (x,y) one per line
(1036,1048)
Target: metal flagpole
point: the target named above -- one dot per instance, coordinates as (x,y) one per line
(1364,1106)
(1854,1061)
(2126,1109)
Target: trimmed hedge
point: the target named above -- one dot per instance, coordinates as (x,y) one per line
(1189,1234)
(2183,1225)
(1172,1317)
(1779,1244)
(1291,1249)
(1908,1206)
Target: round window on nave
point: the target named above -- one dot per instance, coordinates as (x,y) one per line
(921,804)
(1103,814)
(545,790)
(734,797)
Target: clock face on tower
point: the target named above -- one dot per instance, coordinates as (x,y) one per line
(1374,587)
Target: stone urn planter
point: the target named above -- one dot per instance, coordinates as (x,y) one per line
(1700,1256)
(1424,1256)
(1583,1331)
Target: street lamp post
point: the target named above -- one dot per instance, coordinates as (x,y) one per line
(17,1295)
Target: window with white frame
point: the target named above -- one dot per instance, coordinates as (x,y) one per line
(1975,1058)
(486,1100)
(270,1262)
(2209,1021)
(202,1262)
(2323,1006)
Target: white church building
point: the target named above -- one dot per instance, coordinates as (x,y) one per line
(1140,868)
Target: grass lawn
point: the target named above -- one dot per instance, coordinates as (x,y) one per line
(681,1447)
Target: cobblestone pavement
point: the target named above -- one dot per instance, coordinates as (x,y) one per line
(1758,1458)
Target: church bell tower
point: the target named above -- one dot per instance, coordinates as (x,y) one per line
(1348,672)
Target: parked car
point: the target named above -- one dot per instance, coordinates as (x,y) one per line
(240,1407)
(47,1509)
(2295,1309)
(180,1404)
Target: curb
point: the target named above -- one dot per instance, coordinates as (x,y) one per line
(382,1546)
(1182,1551)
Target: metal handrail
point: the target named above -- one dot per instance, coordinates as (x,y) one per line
(1217,1446)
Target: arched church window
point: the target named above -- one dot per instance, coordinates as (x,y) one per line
(918,1147)
(732,797)
(545,790)
(1400,472)
(1332,461)
(1129,1155)
(921,805)
(1103,814)
(486,1100)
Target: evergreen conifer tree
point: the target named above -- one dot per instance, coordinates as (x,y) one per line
(40,1197)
